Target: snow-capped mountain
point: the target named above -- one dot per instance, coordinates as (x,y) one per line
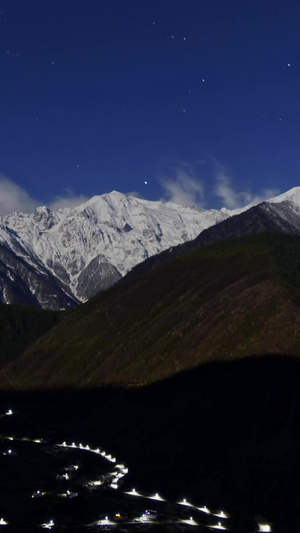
(292,195)
(57,259)
(278,216)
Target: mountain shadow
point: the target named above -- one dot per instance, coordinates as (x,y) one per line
(20,326)
(225,435)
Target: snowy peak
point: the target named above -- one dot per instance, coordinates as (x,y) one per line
(88,248)
(57,259)
(293,195)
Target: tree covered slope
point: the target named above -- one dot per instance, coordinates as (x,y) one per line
(223,302)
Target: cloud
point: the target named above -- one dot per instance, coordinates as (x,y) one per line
(15,198)
(234,199)
(68,200)
(184,188)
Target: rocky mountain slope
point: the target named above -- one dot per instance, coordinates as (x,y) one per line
(283,217)
(222,302)
(57,259)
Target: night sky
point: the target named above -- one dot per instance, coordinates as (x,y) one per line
(196,101)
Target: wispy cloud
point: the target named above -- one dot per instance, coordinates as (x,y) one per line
(15,198)
(184,188)
(233,198)
(68,200)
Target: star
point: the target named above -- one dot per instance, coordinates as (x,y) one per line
(146,182)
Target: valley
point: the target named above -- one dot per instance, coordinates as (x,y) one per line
(185,449)
(168,402)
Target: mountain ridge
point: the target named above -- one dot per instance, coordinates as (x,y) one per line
(283,217)
(59,259)
(88,248)
(221,302)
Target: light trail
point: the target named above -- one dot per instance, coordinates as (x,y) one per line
(112,480)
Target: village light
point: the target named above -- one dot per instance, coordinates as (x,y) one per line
(204,509)
(218,526)
(264,527)
(185,502)
(221,514)
(48,525)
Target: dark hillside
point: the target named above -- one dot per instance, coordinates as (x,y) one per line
(225,435)
(221,302)
(20,326)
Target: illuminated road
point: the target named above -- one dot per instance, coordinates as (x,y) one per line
(151,511)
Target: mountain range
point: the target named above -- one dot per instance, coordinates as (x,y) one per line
(56,260)
(224,301)
(216,420)
(181,367)
(229,292)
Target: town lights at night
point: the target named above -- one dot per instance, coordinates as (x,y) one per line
(156,497)
(264,527)
(221,514)
(217,526)
(48,525)
(111,479)
(204,509)
(185,502)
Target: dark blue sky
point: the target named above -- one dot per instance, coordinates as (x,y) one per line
(199,98)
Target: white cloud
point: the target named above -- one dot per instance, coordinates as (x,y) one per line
(184,188)
(69,200)
(15,198)
(234,199)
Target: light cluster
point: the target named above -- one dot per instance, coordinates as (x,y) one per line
(112,480)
